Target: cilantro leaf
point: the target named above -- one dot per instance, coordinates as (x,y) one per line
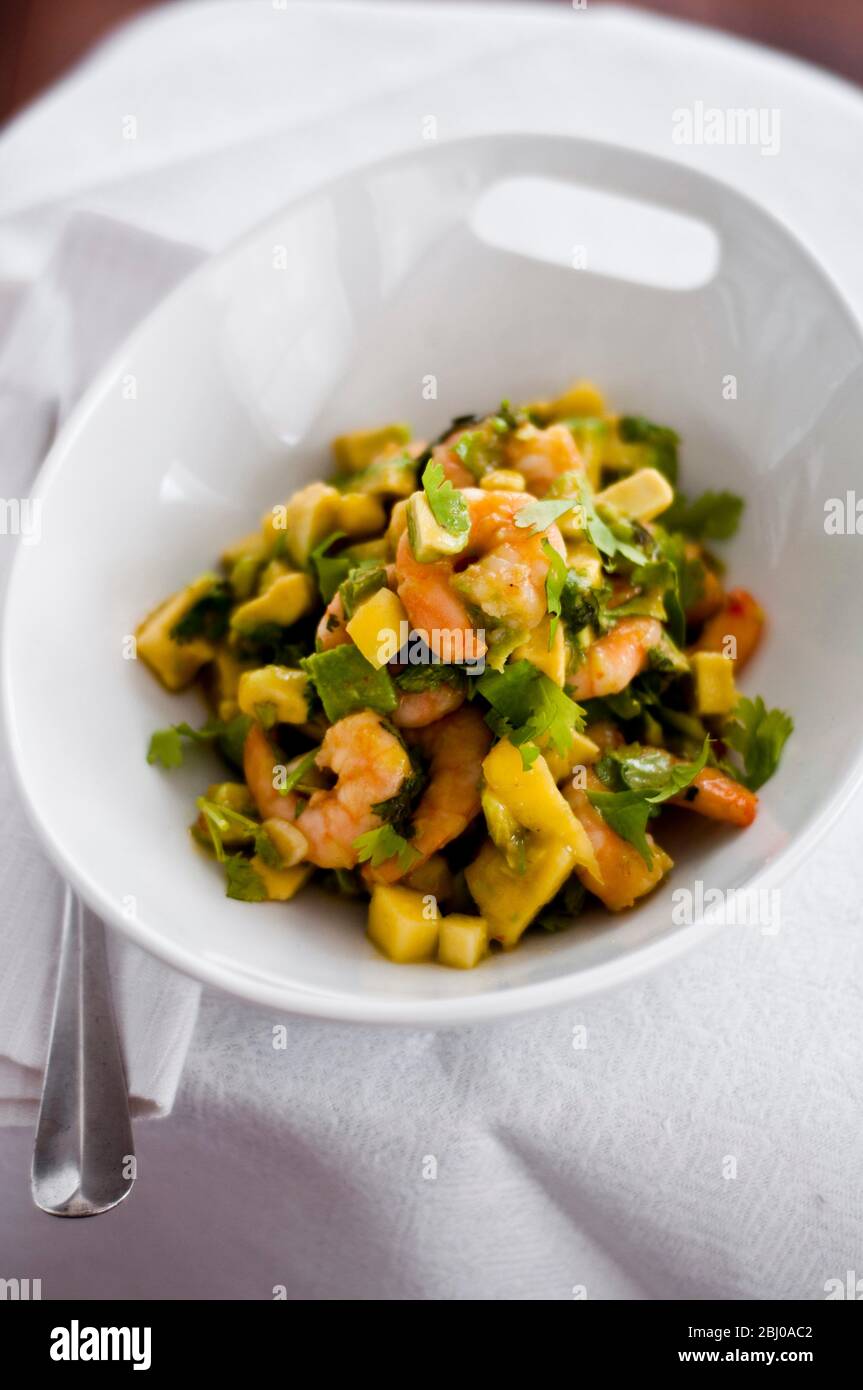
(554,584)
(758,735)
(414,679)
(662,442)
(221,821)
(602,534)
(166,745)
(329,570)
(540,515)
(207,619)
(244,882)
(266,850)
(448,506)
(345,682)
(527,706)
(296,775)
(376,846)
(650,778)
(713,516)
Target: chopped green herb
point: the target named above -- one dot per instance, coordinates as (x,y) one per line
(266,850)
(376,846)
(414,679)
(166,745)
(713,516)
(208,618)
(329,570)
(295,776)
(528,706)
(554,585)
(221,822)
(540,515)
(662,442)
(448,506)
(628,811)
(362,581)
(603,536)
(345,682)
(244,883)
(758,735)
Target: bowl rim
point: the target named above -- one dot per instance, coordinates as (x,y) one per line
(335,1007)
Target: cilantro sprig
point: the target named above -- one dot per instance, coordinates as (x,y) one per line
(527,706)
(166,745)
(759,736)
(448,506)
(376,846)
(648,778)
(555,582)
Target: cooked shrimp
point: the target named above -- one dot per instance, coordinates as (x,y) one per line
(505,581)
(542,455)
(740,619)
(718,797)
(625,875)
(416,708)
(455,746)
(370,764)
(612,661)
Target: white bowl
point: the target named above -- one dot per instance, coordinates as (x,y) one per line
(333,315)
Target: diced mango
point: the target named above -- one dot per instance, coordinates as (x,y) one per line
(303,521)
(175,663)
(290,843)
(549,659)
(287,599)
(273,570)
(251,545)
(503,480)
(398,524)
(360,514)
(580,753)
(586,559)
(281,884)
(463,941)
(715,691)
(531,794)
(580,400)
(376,627)
(509,901)
(642,495)
(354,452)
(275,695)
(403,924)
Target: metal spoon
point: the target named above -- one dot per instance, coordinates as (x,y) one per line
(83,1157)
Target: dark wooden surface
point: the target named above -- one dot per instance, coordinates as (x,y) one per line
(41,39)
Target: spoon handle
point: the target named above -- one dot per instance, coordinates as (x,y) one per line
(83,1156)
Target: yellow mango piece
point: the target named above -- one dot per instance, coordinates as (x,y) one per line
(580,753)
(503,480)
(281,884)
(286,600)
(398,524)
(463,941)
(290,842)
(641,495)
(715,691)
(360,514)
(509,901)
(377,549)
(580,400)
(536,650)
(586,559)
(251,545)
(303,521)
(403,924)
(532,796)
(355,451)
(175,663)
(376,627)
(281,691)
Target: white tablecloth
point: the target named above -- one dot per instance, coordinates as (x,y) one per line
(696,1134)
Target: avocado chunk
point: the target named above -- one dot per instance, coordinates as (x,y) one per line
(430,541)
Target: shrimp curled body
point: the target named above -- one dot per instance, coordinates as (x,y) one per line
(370,764)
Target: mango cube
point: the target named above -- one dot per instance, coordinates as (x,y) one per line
(360,514)
(287,599)
(282,689)
(404,925)
(376,627)
(715,691)
(642,495)
(463,941)
(549,658)
(509,901)
(532,796)
(281,884)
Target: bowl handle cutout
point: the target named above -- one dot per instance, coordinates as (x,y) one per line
(598,231)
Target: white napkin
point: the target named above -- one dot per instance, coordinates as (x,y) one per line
(102,278)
